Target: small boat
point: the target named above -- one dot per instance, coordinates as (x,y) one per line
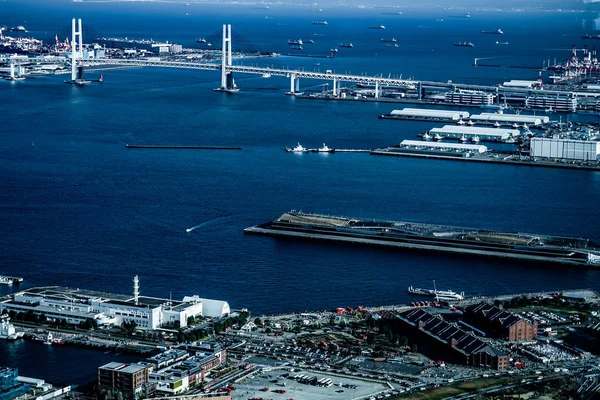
(310,41)
(297,149)
(298,42)
(510,140)
(297,48)
(7,330)
(5,280)
(460,122)
(515,126)
(347,46)
(391,45)
(496,124)
(208,44)
(333,50)
(497,42)
(526,127)
(426,136)
(475,139)
(201,40)
(437,137)
(392,40)
(377,27)
(266,75)
(463,139)
(549,110)
(470,123)
(319,22)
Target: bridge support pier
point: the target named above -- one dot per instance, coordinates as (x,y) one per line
(376,89)
(335,88)
(12,70)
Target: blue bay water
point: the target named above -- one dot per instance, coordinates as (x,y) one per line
(79,209)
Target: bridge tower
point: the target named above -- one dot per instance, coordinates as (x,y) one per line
(76,53)
(227,82)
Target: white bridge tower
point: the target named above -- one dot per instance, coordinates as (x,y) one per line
(76,53)
(227,82)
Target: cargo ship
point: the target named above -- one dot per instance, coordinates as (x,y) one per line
(377,27)
(319,22)
(450,239)
(464,44)
(347,46)
(496,32)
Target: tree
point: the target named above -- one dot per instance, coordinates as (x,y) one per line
(257,322)
(415,348)
(191,320)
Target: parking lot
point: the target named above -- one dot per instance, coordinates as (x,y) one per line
(294,384)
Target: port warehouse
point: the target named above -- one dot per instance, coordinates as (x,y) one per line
(438,148)
(469,132)
(567,149)
(531,120)
(78,305)
(426,114)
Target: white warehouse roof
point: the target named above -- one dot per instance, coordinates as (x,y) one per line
(475,130)
(210,308)
(528,119)
(428,112)
(519,83)
(445,146)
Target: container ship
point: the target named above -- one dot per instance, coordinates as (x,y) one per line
(470,241)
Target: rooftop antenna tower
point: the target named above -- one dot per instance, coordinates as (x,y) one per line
(136,289)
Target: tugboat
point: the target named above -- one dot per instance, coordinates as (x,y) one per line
(297,149)
(325,149)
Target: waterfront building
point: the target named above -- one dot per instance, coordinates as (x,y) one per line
(177,370)
(10,387)
(129,379)
(469,97)
(567,149)
(77,306)
(497,322)
(458,346)
(558,102)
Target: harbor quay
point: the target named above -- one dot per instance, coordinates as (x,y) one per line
(442,340)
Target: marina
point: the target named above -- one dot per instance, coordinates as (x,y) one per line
(521,246)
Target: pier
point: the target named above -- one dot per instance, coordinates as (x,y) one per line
(144,146)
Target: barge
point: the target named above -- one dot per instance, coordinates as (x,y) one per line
(410,235)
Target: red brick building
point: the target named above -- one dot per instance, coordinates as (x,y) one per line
(497,322)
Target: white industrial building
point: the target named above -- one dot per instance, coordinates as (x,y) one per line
(433,114)
(516,83)
(79,305)
(568,149)
(469,132)
(531,120)
(469,97)
(439,146)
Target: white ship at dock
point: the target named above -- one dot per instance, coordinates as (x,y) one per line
(7,330)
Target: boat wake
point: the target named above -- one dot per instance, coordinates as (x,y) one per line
(208,222)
